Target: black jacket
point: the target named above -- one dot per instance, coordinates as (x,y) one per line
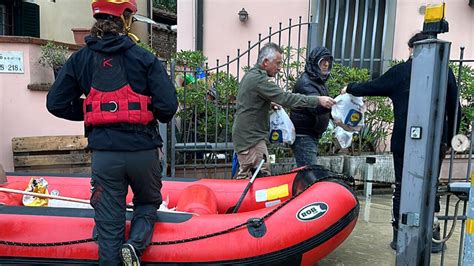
(146,76)
(312,121)
(395,84)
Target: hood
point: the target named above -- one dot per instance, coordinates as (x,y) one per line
(312,67)
(109,44)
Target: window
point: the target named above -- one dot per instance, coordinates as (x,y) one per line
(359,33)
(5,20)
(2,19)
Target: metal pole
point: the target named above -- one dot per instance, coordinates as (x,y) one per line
(421,159)
(163,129)
(173,127)
(369,176)
(314,29)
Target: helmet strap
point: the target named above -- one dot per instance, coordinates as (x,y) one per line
(127,24)
(133,37)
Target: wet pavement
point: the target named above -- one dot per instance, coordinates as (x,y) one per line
(368,244)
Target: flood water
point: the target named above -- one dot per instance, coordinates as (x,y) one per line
(368,244)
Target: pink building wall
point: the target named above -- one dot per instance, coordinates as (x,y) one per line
(22,111)
(458,14)
(224,33)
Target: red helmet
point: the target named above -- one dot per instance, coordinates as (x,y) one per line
(113,7)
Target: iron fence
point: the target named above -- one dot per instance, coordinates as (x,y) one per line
(448,214)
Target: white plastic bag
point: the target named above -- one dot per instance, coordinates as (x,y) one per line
(348,112)
(282,129)
(343,137)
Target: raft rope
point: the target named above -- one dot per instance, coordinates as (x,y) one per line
(255,222)
(55,244)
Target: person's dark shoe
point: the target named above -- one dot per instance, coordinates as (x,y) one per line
(393,244)
(437,247)
(129,256)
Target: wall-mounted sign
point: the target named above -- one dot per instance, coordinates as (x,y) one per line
(11,62)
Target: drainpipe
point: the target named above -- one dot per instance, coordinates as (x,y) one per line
(314,29)
(199,24)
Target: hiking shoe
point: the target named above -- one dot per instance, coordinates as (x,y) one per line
(129,256)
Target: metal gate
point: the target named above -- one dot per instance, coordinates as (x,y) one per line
(467,124)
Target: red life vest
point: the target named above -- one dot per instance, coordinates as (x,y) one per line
(111,99)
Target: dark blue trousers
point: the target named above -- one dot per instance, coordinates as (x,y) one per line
(112,173)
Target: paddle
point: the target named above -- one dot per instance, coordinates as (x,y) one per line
(39,195)
(237,206)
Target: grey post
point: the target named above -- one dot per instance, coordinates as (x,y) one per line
(468,249)
(423,138)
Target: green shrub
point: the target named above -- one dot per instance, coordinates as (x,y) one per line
(147,47)
(466,93)
(205,103)
(189,59)
(53,55)
(168,5)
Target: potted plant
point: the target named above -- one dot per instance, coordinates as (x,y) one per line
(80,34)
(53,56)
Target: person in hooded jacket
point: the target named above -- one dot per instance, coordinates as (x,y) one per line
(311,122)
(126,89)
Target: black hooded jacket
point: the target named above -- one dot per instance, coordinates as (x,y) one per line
(146,76)
(312,121)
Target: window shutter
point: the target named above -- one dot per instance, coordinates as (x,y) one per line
(28,21)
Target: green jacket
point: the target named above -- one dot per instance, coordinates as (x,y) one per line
(256,91)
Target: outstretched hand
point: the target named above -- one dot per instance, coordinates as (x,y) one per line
(275,106)
(326,101)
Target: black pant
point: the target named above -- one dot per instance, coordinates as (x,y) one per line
(398,167)
(112,173)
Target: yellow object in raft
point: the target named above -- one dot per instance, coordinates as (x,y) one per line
(36,185)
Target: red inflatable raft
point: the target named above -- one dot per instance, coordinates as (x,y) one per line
(295,218)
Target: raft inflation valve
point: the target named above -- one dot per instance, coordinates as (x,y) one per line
(256,227)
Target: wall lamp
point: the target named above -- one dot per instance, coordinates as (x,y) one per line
(243,15)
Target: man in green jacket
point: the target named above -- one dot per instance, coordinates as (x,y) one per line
(256,94)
